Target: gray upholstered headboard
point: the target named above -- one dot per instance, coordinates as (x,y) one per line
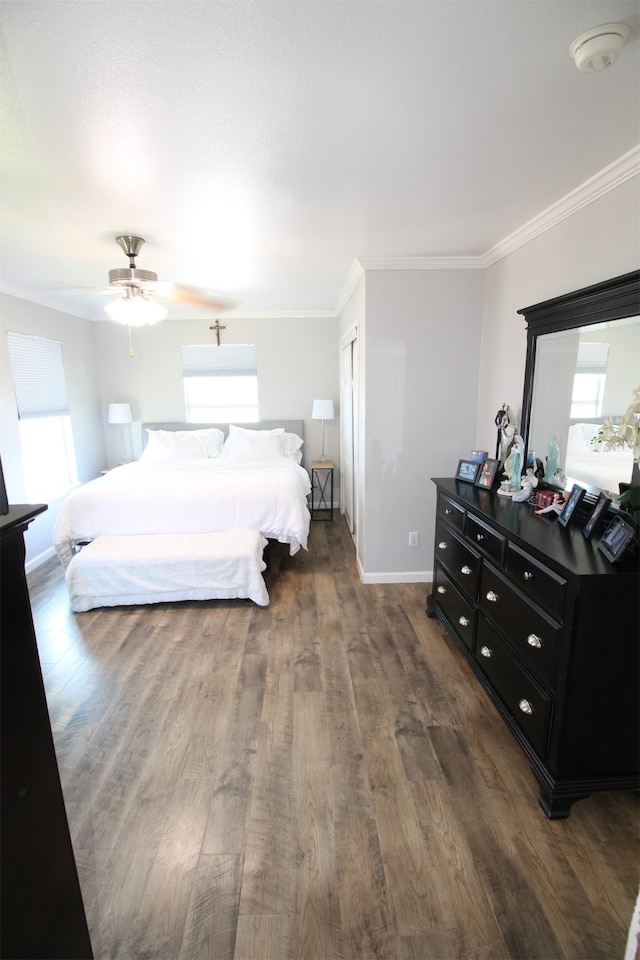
(291,426)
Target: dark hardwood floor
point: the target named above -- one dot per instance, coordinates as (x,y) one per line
(322,778)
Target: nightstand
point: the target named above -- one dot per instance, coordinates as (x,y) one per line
(322,490)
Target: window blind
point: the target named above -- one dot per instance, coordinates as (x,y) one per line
(38,376)
(592,358)
(226,360)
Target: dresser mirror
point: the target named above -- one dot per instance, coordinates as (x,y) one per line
(582,366)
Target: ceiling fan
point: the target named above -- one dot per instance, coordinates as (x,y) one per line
(141,290)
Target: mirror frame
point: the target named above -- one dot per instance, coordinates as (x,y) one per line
(612,299)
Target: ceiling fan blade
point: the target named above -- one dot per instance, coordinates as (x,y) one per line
(177,293)
(101,290)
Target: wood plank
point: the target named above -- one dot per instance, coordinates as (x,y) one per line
(316,932)
(212,919)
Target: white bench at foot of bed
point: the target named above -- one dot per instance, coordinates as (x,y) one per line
(157,568)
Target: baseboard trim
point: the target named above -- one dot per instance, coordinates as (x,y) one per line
(40,559)
(406,576)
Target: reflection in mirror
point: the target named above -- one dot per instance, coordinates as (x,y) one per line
(583,377)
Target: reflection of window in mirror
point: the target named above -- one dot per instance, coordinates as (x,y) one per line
(589,380)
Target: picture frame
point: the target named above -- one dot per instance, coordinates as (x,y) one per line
(487,474)
(601,506)
(575,497)
(467,471)
(616,538)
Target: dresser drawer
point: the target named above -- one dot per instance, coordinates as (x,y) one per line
(534,635)
(539,582)
(527,703)
(459,612)
(462,563)
(485,538)
(451,511)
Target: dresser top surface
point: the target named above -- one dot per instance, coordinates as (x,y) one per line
(564,546)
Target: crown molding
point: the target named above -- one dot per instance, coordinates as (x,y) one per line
(608,179)
(421,263)
(355,273)
(362,264)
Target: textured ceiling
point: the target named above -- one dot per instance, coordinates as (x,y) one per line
(260,147)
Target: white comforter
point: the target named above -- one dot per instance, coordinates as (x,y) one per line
(189,496)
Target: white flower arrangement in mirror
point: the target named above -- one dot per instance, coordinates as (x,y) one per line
(626,433)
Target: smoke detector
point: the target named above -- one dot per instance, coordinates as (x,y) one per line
(599,47)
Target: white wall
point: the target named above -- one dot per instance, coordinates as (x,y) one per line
(420,362)
(76,336)
(297,361)
(599,241)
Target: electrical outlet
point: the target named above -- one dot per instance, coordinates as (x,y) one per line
(413,538)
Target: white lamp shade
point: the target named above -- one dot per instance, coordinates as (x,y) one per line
(322,410)
(135,311)
(119,413)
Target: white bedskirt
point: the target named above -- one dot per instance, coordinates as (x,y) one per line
(118,571)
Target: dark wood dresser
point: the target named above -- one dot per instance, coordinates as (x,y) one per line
(41,909)
(552,631)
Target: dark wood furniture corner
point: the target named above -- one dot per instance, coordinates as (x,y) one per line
(41,909)
(551,630)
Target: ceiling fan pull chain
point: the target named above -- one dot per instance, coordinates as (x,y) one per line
(130,344)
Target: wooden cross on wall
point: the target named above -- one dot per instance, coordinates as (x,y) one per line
(217,327)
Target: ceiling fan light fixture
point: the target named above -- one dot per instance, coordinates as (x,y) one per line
(599,47)
(135,311)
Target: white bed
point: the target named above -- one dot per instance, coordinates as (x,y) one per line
(187,493)
(592,463)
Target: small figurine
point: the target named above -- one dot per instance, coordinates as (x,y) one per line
(506,432)
(529,483)
(556,505)
(553,459)
(513,467)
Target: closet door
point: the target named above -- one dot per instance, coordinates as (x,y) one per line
(348,422)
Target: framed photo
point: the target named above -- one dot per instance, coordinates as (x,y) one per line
(616,538)
(487,474)
(601,507)
(467,471)
(575,497)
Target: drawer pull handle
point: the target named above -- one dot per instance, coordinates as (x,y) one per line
(528,575)
(480,537)
(486,652)
(448,511)
(526,707)
(442,589)
(466,570)
(442,545)
(534,641)
(492,597)
(463,622)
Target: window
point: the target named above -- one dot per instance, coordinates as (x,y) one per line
(48,455)
(589,380)
(220,383)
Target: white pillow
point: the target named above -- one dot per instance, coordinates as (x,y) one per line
(212,440)
(292,446)
(163,445)
(244,444)
(182,444)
